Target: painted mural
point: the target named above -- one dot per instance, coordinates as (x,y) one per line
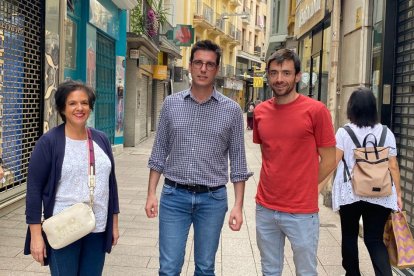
(119,108)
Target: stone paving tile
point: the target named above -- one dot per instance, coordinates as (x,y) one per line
(236,247)
(127,260)
(9,251)
(236,266)
(112,270)
(36,267)
(14,263)
(21,273)
(135,250)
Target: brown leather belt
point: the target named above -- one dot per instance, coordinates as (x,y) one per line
(192,188)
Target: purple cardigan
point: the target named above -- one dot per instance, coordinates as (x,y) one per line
(45,168)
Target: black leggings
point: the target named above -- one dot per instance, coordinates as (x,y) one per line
(374,217)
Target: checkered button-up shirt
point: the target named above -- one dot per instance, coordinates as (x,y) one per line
(195,141)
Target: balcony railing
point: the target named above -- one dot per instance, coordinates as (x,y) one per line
(208,14)
(247,18)
(246,46)
(203,11)
(231,30)
(257,50)
(220,23)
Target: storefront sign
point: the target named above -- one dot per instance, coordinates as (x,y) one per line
(181,35)
(308,14)
(160,72)
(133,53)
(257,82)
(6,26)
(103,18)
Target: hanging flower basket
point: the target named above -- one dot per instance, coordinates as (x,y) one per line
(152,23)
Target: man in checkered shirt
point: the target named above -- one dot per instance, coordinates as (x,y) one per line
(199,131)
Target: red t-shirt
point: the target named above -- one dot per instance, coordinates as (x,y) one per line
(290,135)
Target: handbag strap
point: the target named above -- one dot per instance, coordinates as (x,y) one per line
(91,167)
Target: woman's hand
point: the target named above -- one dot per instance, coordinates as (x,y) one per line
(399,202)
(115,231)
(37,244)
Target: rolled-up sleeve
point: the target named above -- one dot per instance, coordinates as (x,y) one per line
(160,149)
(237,151)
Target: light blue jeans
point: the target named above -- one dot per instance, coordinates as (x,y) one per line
(302,231)
(178,210)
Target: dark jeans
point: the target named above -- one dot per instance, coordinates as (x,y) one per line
(374,217)
(83,257)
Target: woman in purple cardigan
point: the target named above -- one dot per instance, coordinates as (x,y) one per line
(57,179)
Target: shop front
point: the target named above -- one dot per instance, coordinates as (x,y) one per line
(95,49)
(21,86)
(313,31)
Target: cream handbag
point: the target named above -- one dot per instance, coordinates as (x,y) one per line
(77,221)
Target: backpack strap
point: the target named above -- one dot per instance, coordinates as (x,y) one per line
(352,135)
(383,136)
(347,174)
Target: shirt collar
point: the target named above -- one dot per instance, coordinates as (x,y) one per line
(216,94)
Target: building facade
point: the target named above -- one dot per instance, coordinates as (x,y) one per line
(43,43)
(149,69)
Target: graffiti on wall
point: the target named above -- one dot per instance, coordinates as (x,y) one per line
(51,79)
(119,107)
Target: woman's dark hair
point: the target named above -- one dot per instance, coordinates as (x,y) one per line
(362,108)
(206,45)
(67,87)
(282,55)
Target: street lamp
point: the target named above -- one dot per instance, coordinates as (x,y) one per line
(243,15)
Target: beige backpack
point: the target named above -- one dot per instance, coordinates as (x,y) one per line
(371,176)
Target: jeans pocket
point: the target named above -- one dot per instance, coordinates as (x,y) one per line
(167,190)
(303,216)
(219,194)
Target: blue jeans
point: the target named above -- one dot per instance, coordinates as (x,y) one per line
(302,231)
(83,257)
(178,210)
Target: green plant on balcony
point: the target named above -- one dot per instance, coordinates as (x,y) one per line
(148,21)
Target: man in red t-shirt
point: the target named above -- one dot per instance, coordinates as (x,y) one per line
(297,141)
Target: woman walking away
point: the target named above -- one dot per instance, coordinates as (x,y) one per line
(250,112)
(362,113)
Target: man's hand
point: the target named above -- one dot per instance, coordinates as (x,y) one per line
(151,207)
(236,218)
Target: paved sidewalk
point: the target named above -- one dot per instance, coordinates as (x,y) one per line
(137,250)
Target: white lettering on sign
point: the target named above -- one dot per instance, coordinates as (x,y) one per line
(308,11)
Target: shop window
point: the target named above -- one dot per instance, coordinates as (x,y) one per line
(70,44)
(305,56)
(325,64)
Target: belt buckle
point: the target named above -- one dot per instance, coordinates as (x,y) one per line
(192,187)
